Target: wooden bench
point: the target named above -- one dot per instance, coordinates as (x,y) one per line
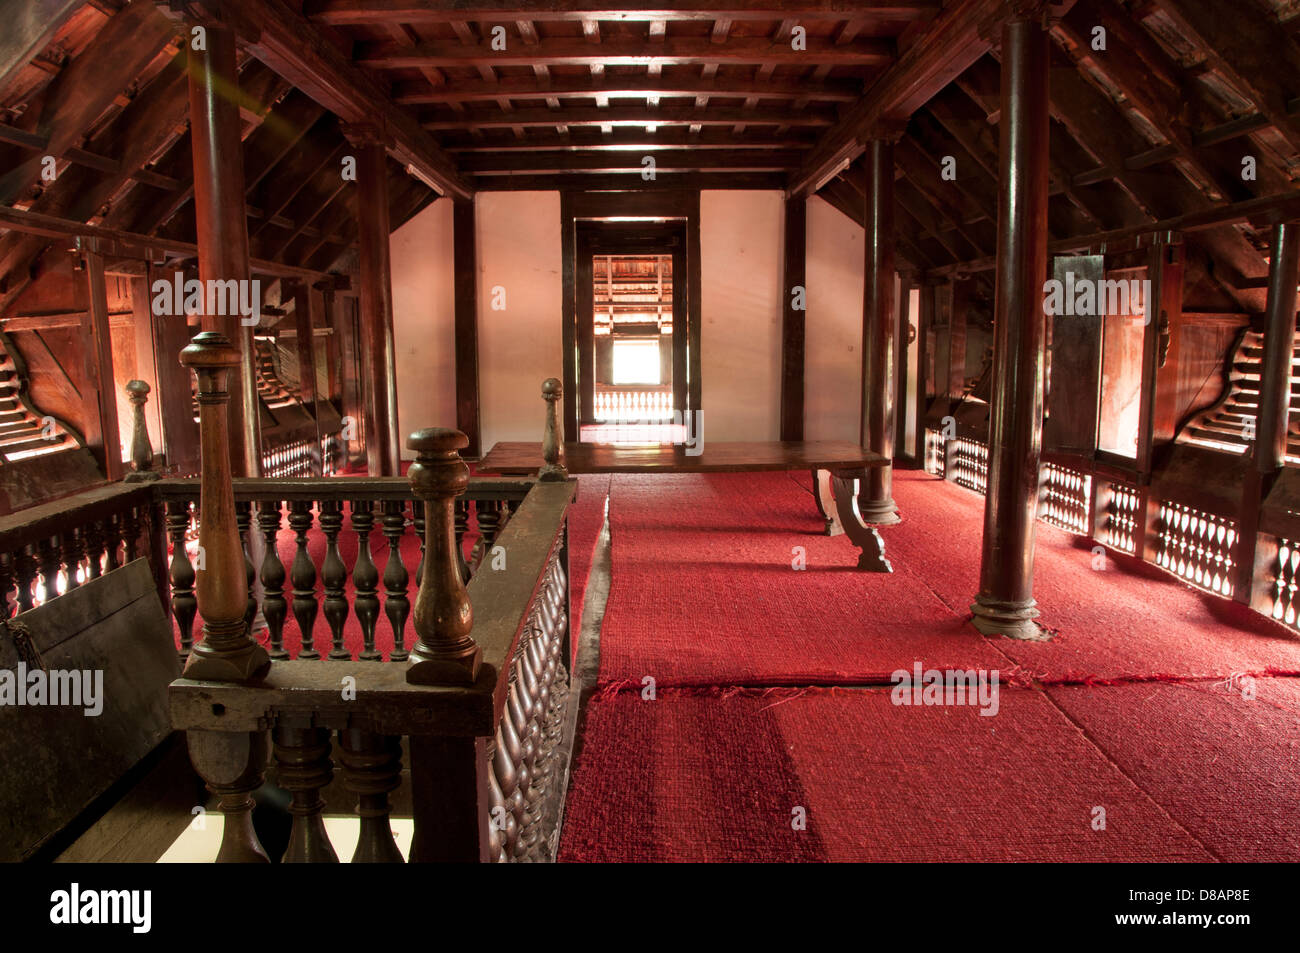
(836,467)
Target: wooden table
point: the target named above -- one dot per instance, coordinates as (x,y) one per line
(836,466)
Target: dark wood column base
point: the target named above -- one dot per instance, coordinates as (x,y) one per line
(1015,620)
(879,512)
(837,501)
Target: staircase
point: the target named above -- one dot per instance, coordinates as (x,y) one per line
(1229,425)
(24,431)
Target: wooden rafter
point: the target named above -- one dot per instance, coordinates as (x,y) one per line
(295,49)
(360,12)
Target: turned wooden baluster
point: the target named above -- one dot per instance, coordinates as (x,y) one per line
(132,526)
(396,579)
(243,522)
(488,514)
(372,767)
(6,585)
(233,766)
(274,606)
(365,579)
(112,542)
(226,652)
(51,564)
(93,537)
(417,518)
(444,650)
(141,447)
(25,572)
(184,605)
(553,469)
(462,527)
(74,551)
(303,576)
(303,766)
(335,575)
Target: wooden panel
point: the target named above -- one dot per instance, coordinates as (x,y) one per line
(114,625)
(1074,374)
(466,324)
(792,322)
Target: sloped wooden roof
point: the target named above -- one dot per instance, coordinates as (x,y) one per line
(493,94)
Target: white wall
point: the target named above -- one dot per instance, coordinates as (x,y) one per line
(424,321)
(519,347)
(833,336)
(741,236)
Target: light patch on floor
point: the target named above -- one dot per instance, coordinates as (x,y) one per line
(199,845)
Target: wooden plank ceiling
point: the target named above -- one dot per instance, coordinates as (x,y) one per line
(493,94)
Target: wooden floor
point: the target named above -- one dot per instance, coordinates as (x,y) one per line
(516,458)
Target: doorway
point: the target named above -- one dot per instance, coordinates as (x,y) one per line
(632,345)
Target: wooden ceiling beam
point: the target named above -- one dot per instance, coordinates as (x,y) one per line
(296,49)
(1251,51)
(950,43)
(670,51)
(621,87)
(77,97)
(633,140)
(631,181)
(547,163)
(629,116)
(363,12)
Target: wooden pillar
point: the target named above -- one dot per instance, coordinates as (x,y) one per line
(466,285)
(902,360)
(1279,344)
(227,651)
(308,312)
(1255,554)
(878,327)
(792,322)
(1005,604)
(180,435)
(221,222)
(378,352)
(100,399)
(958,302)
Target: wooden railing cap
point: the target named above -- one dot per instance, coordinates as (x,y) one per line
(437,440)
(210,349)
(138,388)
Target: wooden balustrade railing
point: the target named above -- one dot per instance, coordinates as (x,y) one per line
(48,549)
(485,755)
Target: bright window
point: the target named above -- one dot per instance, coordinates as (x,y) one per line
(636,361)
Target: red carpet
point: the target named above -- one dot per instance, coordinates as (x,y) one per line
(1225,767)
(687,778)
(705,592)
(704,596)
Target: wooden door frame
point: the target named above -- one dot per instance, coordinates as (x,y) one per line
(637,209)
(600,238)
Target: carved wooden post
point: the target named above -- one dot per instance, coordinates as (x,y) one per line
(220,222)
(444,650)
(553,470)
(875,496)
(141,448)
(1005,604)
(376,300)
(1279,347)
(227,652)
